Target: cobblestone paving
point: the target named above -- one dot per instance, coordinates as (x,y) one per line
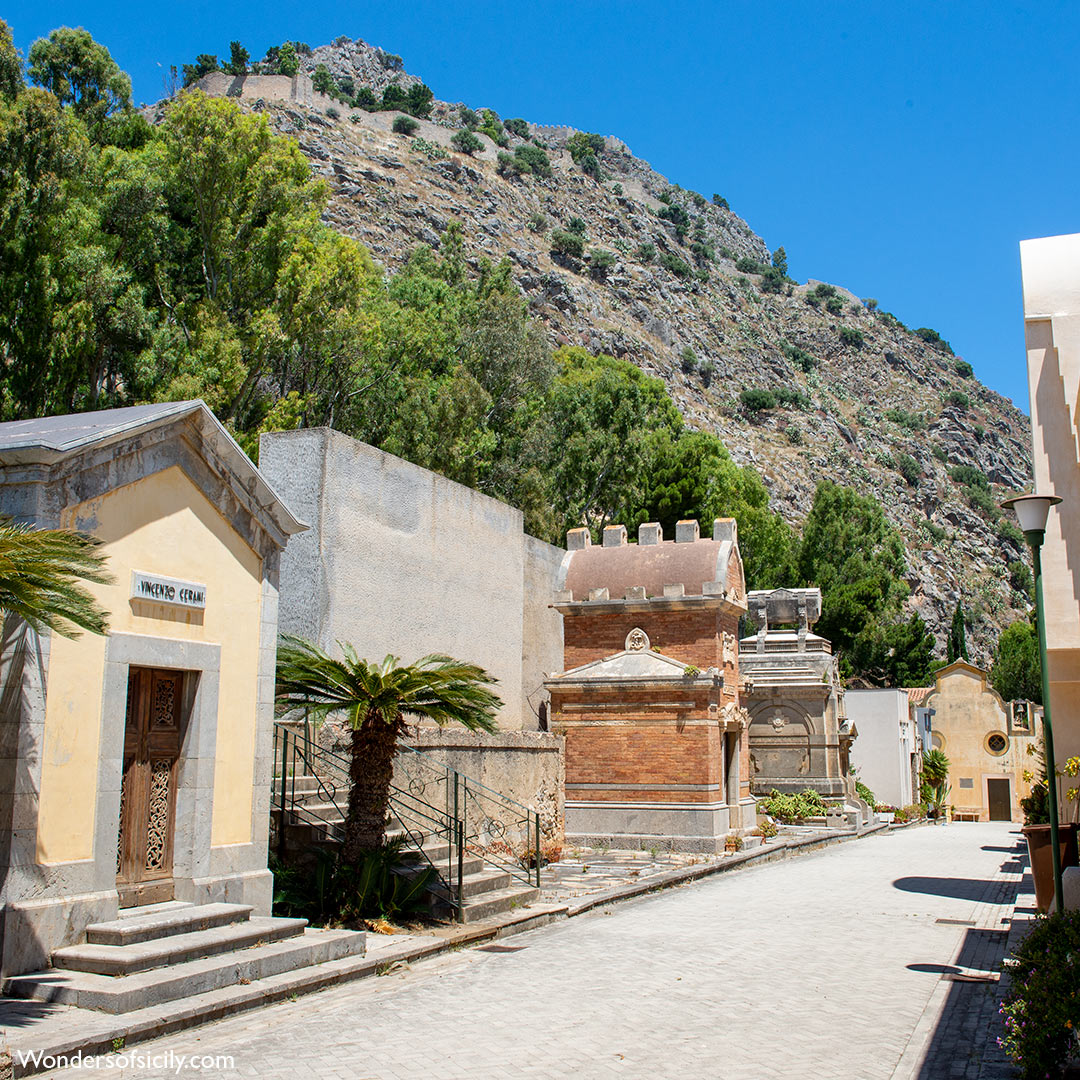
(828,965)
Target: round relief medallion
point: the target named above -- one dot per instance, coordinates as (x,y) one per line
(637,640)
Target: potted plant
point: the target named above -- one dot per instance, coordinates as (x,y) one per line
(935,771)
(1036,830)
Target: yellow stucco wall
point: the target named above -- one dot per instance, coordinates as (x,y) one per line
(966,711)
(162,524)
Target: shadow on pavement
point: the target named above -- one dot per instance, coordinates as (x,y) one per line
(957,888)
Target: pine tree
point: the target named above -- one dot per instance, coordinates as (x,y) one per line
(957,644)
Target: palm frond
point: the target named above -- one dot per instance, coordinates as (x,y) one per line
(436,687)
(41,578)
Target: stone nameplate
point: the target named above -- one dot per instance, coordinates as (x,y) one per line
(167,590)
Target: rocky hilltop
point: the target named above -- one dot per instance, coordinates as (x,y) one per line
(678,283)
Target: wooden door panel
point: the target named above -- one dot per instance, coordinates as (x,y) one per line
(153,733)
(999,798)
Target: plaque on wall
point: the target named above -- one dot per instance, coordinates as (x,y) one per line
(166,590)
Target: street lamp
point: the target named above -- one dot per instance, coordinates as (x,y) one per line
(1032,511)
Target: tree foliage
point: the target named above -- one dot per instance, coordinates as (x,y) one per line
(956,648)
(1016,672)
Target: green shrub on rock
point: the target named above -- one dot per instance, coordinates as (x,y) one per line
(568,244)
(754,399)
(404,125)
(466,142)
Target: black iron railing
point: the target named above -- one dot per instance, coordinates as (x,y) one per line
(447,817)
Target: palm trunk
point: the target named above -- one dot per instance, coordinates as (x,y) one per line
(370,771)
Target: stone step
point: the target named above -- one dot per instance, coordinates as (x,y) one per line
(153,909)
(176,948)
(495,903)
(108,994)
(162,920)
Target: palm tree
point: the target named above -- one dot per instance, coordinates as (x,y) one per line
(41,575)
(378,700)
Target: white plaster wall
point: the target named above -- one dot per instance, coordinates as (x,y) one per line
(400,560)
(880,755)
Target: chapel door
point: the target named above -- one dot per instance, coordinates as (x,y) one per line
(997,795)
(152,735)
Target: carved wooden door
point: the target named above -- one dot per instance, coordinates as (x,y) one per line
(152,736)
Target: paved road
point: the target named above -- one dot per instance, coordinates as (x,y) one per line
(828,965)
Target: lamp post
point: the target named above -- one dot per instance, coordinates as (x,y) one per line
(1031,512)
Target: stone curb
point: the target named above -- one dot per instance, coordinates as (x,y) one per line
(101,1031)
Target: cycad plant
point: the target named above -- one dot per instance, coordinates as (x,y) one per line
(378,701)
(41,578)
(935,771)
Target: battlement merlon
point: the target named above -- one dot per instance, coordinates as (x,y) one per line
(800,608)
(689,572)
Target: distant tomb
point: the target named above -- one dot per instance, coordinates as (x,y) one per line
(799,734)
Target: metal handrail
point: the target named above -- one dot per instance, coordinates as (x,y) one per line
(475,820)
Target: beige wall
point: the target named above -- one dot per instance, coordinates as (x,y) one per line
(161,524)
(1051,272)
(966,712)
(401,560)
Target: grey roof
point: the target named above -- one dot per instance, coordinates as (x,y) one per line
(67,433)
(49,439)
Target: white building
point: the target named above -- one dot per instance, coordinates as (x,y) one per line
(886,753)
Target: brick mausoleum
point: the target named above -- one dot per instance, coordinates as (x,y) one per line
(656,743)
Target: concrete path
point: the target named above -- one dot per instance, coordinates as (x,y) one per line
(830,965)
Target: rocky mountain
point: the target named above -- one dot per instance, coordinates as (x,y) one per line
(680,287)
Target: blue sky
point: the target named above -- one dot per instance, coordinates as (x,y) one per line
(899,149)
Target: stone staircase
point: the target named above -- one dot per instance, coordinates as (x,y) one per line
(486,890)
(162,952)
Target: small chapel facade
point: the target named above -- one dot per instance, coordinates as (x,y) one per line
(648,703)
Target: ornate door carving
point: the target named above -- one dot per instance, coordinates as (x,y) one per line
(153,732)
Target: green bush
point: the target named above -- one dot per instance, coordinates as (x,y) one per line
(646,252)
(911,421)
(678,217)
(577,227)
(963,369)
(322,81)
(1020,577)
(385,883)
(538,223)
(536,159)
(909,469)
(600,261)
(517,127)
(582,144)
(405,125)
(865,794)
(719,200)
(932,337)
(851,337)
(822,295)
(1042,1008)
(791,809)
(688,360)
(466,142)
(568,244)
(790,398)
(746,265)
(800,357)
(419,100)
(679,267)
(933,530)
(755,399)
(468,117)
(333,113)
(707,371)
(772,280)
(365,99)
(1008,531)
(958,399)
(968,476)
(939,452)
(794,435)
(616,189)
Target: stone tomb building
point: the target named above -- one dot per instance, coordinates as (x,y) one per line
(656,747)
(136,766)
(799,734)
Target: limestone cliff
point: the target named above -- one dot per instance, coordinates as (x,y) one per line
(867,402)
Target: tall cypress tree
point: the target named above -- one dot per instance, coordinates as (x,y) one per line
(957,644)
